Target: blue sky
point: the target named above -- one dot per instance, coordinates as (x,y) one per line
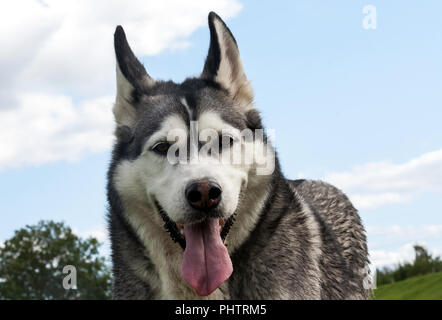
(359,108)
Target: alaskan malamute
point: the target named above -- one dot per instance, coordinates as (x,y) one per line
(198,206)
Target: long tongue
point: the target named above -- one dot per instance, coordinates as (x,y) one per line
(206,262)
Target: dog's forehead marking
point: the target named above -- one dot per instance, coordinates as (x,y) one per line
(207,119)
(186,105)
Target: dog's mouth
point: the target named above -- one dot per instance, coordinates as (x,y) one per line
(176,230)
(206,261)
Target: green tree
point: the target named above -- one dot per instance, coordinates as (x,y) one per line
(32,262)
(423,263)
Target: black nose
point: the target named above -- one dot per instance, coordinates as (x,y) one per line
(203,194)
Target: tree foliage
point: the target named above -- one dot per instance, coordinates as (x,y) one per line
(32,261)
(423,263)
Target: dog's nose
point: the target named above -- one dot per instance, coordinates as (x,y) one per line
(203,194)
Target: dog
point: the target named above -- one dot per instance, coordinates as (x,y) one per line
(207,229)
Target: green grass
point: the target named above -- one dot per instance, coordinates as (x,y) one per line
(418,288)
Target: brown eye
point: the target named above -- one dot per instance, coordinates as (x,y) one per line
(161,148)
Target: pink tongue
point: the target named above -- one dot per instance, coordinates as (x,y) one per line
(206,262)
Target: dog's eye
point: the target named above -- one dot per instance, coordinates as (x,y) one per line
(226,141)
(161,148)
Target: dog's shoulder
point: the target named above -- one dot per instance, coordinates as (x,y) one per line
(340,224)
(338,213)
(331,203)
(338,217)
(324,197)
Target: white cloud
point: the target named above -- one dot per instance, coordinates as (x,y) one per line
(57,61)
(405,253)
(392,236)
(99,232)
(382,258)
(403,238)
(47,128)
(376,184)
(370,201)
(407,232)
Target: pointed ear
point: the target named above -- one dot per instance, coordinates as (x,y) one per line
(223,64)
(132,79)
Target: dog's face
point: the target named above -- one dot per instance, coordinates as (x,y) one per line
(177,143)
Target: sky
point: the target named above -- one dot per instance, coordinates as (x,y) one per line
(359,108)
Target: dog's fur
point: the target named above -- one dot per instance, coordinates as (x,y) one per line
(291,239)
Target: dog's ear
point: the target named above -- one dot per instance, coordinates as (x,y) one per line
(132,79)
(223,64)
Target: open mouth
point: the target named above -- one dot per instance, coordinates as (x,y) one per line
(206,261)
(176,230)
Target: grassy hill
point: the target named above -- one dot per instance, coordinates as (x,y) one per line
(423,287)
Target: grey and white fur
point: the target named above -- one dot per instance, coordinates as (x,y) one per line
(296,239)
